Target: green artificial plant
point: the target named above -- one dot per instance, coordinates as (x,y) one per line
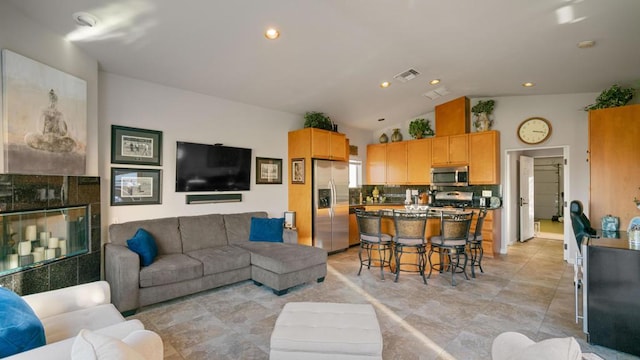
(482,110)
(317,120)
(483,106)
(419,128)
(612,97)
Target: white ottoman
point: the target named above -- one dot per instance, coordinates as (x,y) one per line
(308,330)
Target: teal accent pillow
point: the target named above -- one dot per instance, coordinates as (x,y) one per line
(143,244)
(20,328)
(263,229)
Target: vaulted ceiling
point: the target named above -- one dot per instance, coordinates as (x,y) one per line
(332,55)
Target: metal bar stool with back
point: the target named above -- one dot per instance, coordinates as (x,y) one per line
(452,242)
(373,239)
(409,238)
(475,244)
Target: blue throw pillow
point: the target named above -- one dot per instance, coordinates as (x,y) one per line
(20,328)
(143,244)
(263,229)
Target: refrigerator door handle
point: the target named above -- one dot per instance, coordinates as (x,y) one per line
(332,186)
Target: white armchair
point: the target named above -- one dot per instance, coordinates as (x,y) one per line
(64,312)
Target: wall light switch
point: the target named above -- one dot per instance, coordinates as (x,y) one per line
(414,192)
(486,193)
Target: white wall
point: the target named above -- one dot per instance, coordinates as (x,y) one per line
(192,117)
(25,37)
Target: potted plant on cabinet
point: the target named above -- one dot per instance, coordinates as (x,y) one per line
(612,97)
(419,128)
(482,110)
(317,120)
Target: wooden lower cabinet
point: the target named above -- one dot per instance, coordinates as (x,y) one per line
(354,234)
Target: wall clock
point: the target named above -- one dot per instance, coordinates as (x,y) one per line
(534,130)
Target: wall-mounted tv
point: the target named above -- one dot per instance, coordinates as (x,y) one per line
(202,167)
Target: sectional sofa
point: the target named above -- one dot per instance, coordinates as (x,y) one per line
(197,253)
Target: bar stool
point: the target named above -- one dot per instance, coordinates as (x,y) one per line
(410,229)
(475,244)
(452,241)
(372,238)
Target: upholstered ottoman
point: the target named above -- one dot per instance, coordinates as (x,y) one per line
(308,330)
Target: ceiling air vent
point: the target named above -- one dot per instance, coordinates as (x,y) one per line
(434,94)
(407,75)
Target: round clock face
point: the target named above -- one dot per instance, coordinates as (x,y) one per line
(534,130)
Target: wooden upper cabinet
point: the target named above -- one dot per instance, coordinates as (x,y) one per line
(484,158)
(614,148)
(450,150)
(419,161)
(397,162)
(326,144)
(452,118)
(376,164)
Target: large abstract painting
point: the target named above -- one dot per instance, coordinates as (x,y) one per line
(44,118)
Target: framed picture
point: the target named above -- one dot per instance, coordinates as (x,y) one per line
(297,171)
(136,186)
(268,171)
(135,146)
(44,116)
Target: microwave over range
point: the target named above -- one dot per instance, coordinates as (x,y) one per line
(450,176)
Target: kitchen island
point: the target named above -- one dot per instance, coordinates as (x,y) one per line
(490,229)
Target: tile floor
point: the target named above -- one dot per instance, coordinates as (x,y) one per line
(530,290)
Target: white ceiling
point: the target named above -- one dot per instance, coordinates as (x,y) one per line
(333,54)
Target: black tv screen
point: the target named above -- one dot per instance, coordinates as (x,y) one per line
(202,167)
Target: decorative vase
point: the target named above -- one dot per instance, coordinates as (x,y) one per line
(396,136)
(483,123)
(384,138)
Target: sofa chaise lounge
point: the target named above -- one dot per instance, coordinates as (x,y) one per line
(197,253)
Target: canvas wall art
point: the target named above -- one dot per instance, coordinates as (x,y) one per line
(44,118)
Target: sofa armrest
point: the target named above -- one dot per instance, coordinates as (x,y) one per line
(290,236)
(69,299)
(122,271)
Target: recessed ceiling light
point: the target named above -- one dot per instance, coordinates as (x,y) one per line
(272,33)
(85,19)
(586,44)
(385,84)
(434,81)
(528,84)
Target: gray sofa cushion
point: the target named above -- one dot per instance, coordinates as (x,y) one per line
(202,231)
(283,258)
(165,232)
(239,225)
(169,269)
(222,258)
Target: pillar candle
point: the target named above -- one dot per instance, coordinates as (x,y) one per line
(37,256)
(13,261)
(63,247)
(44,236)
(39,249)
(24,248)
(31,232)
(53,243)
(50,254)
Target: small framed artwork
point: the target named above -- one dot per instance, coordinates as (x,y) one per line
(136,186)
(135,146)
(268,171)
(297,171)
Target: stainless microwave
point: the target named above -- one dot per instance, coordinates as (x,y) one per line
(450,176)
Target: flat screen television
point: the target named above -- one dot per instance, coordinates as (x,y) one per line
(202,167)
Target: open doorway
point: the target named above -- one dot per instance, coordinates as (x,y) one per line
(548,174)
(553,195)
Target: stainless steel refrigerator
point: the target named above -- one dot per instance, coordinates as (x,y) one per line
(330,205)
